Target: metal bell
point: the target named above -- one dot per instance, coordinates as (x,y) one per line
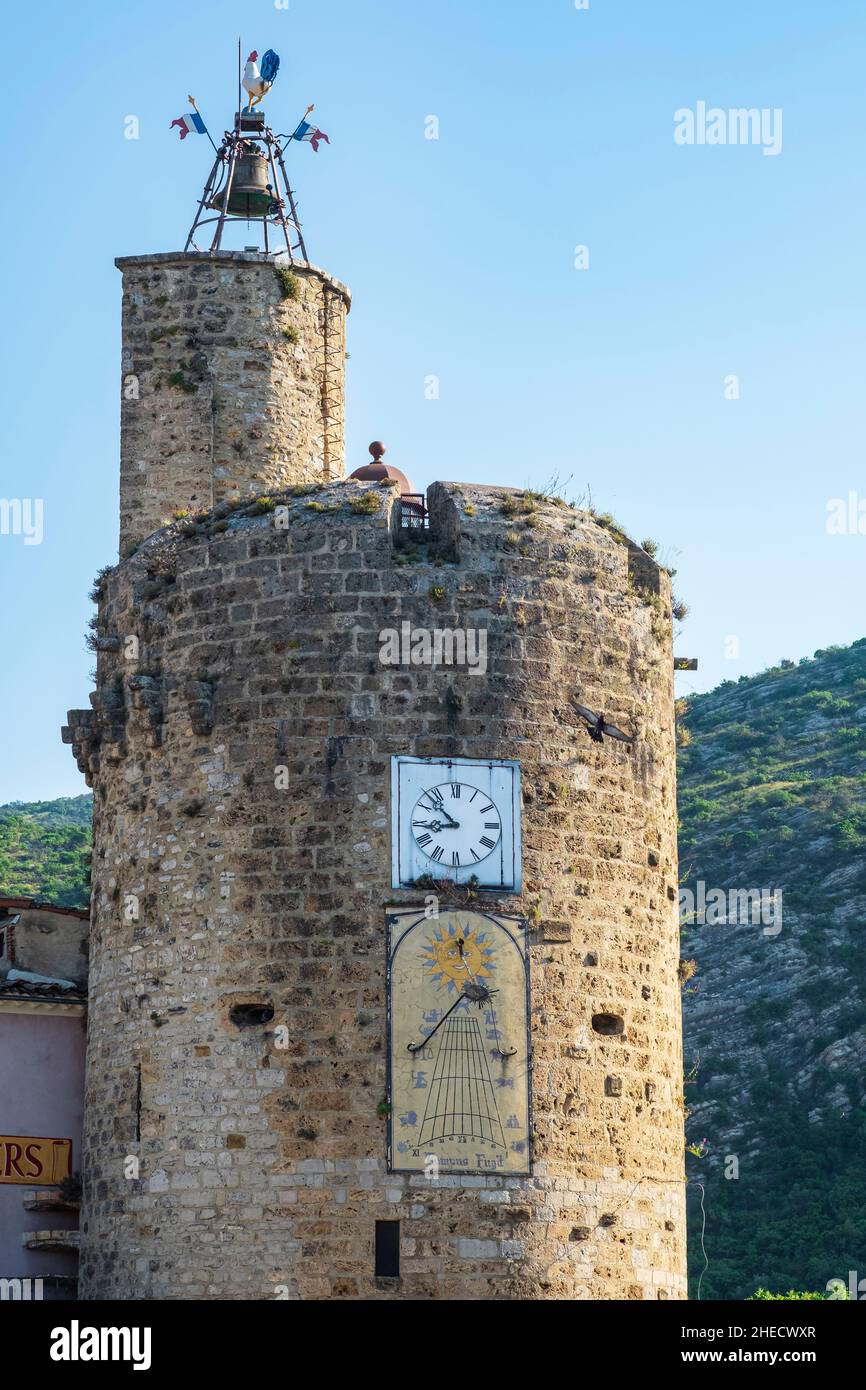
(251,194)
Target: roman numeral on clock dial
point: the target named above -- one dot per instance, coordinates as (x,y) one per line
(456,824)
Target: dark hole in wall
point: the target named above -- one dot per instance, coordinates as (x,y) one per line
(608,1025)
(251,1015)
(388,1249)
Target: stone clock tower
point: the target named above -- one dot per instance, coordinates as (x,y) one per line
(384,997)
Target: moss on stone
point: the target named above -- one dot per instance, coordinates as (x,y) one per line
(365,505)
(290,285)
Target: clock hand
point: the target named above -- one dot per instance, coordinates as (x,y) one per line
(439,805)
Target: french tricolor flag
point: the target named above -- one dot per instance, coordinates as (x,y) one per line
(188,123)
(305,131)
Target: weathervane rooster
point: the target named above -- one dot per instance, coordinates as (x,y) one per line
(258,81)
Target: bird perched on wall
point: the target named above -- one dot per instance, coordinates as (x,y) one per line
(597,726)
(259,80)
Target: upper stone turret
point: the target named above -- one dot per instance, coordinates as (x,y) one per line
(233,382)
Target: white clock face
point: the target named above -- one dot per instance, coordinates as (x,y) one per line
(458,819)
(456,824)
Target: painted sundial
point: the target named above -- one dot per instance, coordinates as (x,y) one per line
(459,1043)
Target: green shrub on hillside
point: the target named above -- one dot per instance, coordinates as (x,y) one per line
(45,850)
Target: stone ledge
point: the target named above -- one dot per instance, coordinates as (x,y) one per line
(252,258)
(52,1242)
(48,1199)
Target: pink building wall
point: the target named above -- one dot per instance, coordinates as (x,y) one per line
(41,1093)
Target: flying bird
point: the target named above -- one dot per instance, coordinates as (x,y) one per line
(597,726)
(259,81)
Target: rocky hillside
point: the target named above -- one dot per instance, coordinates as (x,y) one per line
(43,850)
(773,796)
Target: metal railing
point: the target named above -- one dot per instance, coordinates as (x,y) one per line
(413,512)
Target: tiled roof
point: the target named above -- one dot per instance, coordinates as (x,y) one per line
(36,905)
(29,989)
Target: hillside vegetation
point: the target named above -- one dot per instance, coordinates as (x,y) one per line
(44,850)
(772,788)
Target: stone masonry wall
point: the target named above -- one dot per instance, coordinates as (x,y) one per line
(262,1170)
(224,369)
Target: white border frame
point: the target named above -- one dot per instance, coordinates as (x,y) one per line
(463,875)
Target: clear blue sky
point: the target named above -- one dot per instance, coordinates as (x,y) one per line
(556,129)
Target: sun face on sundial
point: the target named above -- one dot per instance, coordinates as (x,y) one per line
(454,957)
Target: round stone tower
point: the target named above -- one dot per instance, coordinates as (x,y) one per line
(242,1131)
